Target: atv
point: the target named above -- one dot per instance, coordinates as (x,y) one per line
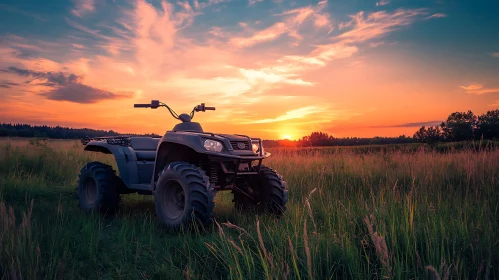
(183,170)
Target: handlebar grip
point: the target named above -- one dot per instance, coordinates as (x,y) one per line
(209,108)
(141,105)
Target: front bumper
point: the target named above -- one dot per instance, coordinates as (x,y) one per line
(237,157)
(237,165)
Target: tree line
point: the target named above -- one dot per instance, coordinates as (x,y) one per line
(462,126)
(459,126)
(317,139)
(55,132)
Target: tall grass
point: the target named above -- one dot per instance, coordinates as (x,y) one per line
(372,215)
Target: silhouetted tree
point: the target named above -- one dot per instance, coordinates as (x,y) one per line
(459,126)
(420,135)
(432,134)
(488,125)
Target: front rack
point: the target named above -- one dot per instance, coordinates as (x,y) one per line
(112,140)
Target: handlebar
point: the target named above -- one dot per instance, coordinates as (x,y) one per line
(156,103)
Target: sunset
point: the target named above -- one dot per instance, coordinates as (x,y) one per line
(249,139)
(275,69)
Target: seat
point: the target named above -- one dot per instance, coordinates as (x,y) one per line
(144,147)
(144,143)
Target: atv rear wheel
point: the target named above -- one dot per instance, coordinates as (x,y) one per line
(98,188)
(183,195)
(268,193)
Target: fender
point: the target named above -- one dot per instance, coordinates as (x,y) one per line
(125,159)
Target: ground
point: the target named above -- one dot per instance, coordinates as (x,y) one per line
(353,214)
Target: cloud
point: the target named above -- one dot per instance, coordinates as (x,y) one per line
(472,87)
(377,24)
(252,2)
(5,84)
(79,93)
(85,29)
(437,15)
(495,54)
(65,86)
(363,28)
(382,2)
(478,89)
(419,124)
(293,114)
(267,34)
(290,23)
(52,78)
(495,104)
(83,7)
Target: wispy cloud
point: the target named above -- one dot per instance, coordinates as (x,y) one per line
(377,24)
(6,84)
(495,54)
(472,87)
(83,7)
(363,28)
(478,89)
(418,124)
(290,23)
(437,15)
(293,114)
(252,2)
(382,3)
(85,29)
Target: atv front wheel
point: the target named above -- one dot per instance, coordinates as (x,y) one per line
(265,192)
(183,195)
(98,188)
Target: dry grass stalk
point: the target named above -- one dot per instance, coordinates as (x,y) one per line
(260,239)
(435,272)
(307,250)
(379,244)
(235,246)
(307,203)
(233,226)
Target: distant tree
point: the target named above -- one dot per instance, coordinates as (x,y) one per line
(488,125)
(433,134)
(420,135)
(429,135)
(321,139)
(459,126)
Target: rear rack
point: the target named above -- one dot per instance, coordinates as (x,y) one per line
(113,140)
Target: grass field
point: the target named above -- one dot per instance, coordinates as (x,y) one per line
(372,215)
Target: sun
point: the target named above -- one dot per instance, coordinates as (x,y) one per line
(287,137)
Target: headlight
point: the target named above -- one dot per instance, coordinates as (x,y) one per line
(212,145)
(255,148)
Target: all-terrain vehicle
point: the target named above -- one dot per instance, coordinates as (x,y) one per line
(183,170)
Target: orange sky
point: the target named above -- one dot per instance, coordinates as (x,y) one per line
(299,70)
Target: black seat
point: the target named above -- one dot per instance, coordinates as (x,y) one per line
(144,147)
